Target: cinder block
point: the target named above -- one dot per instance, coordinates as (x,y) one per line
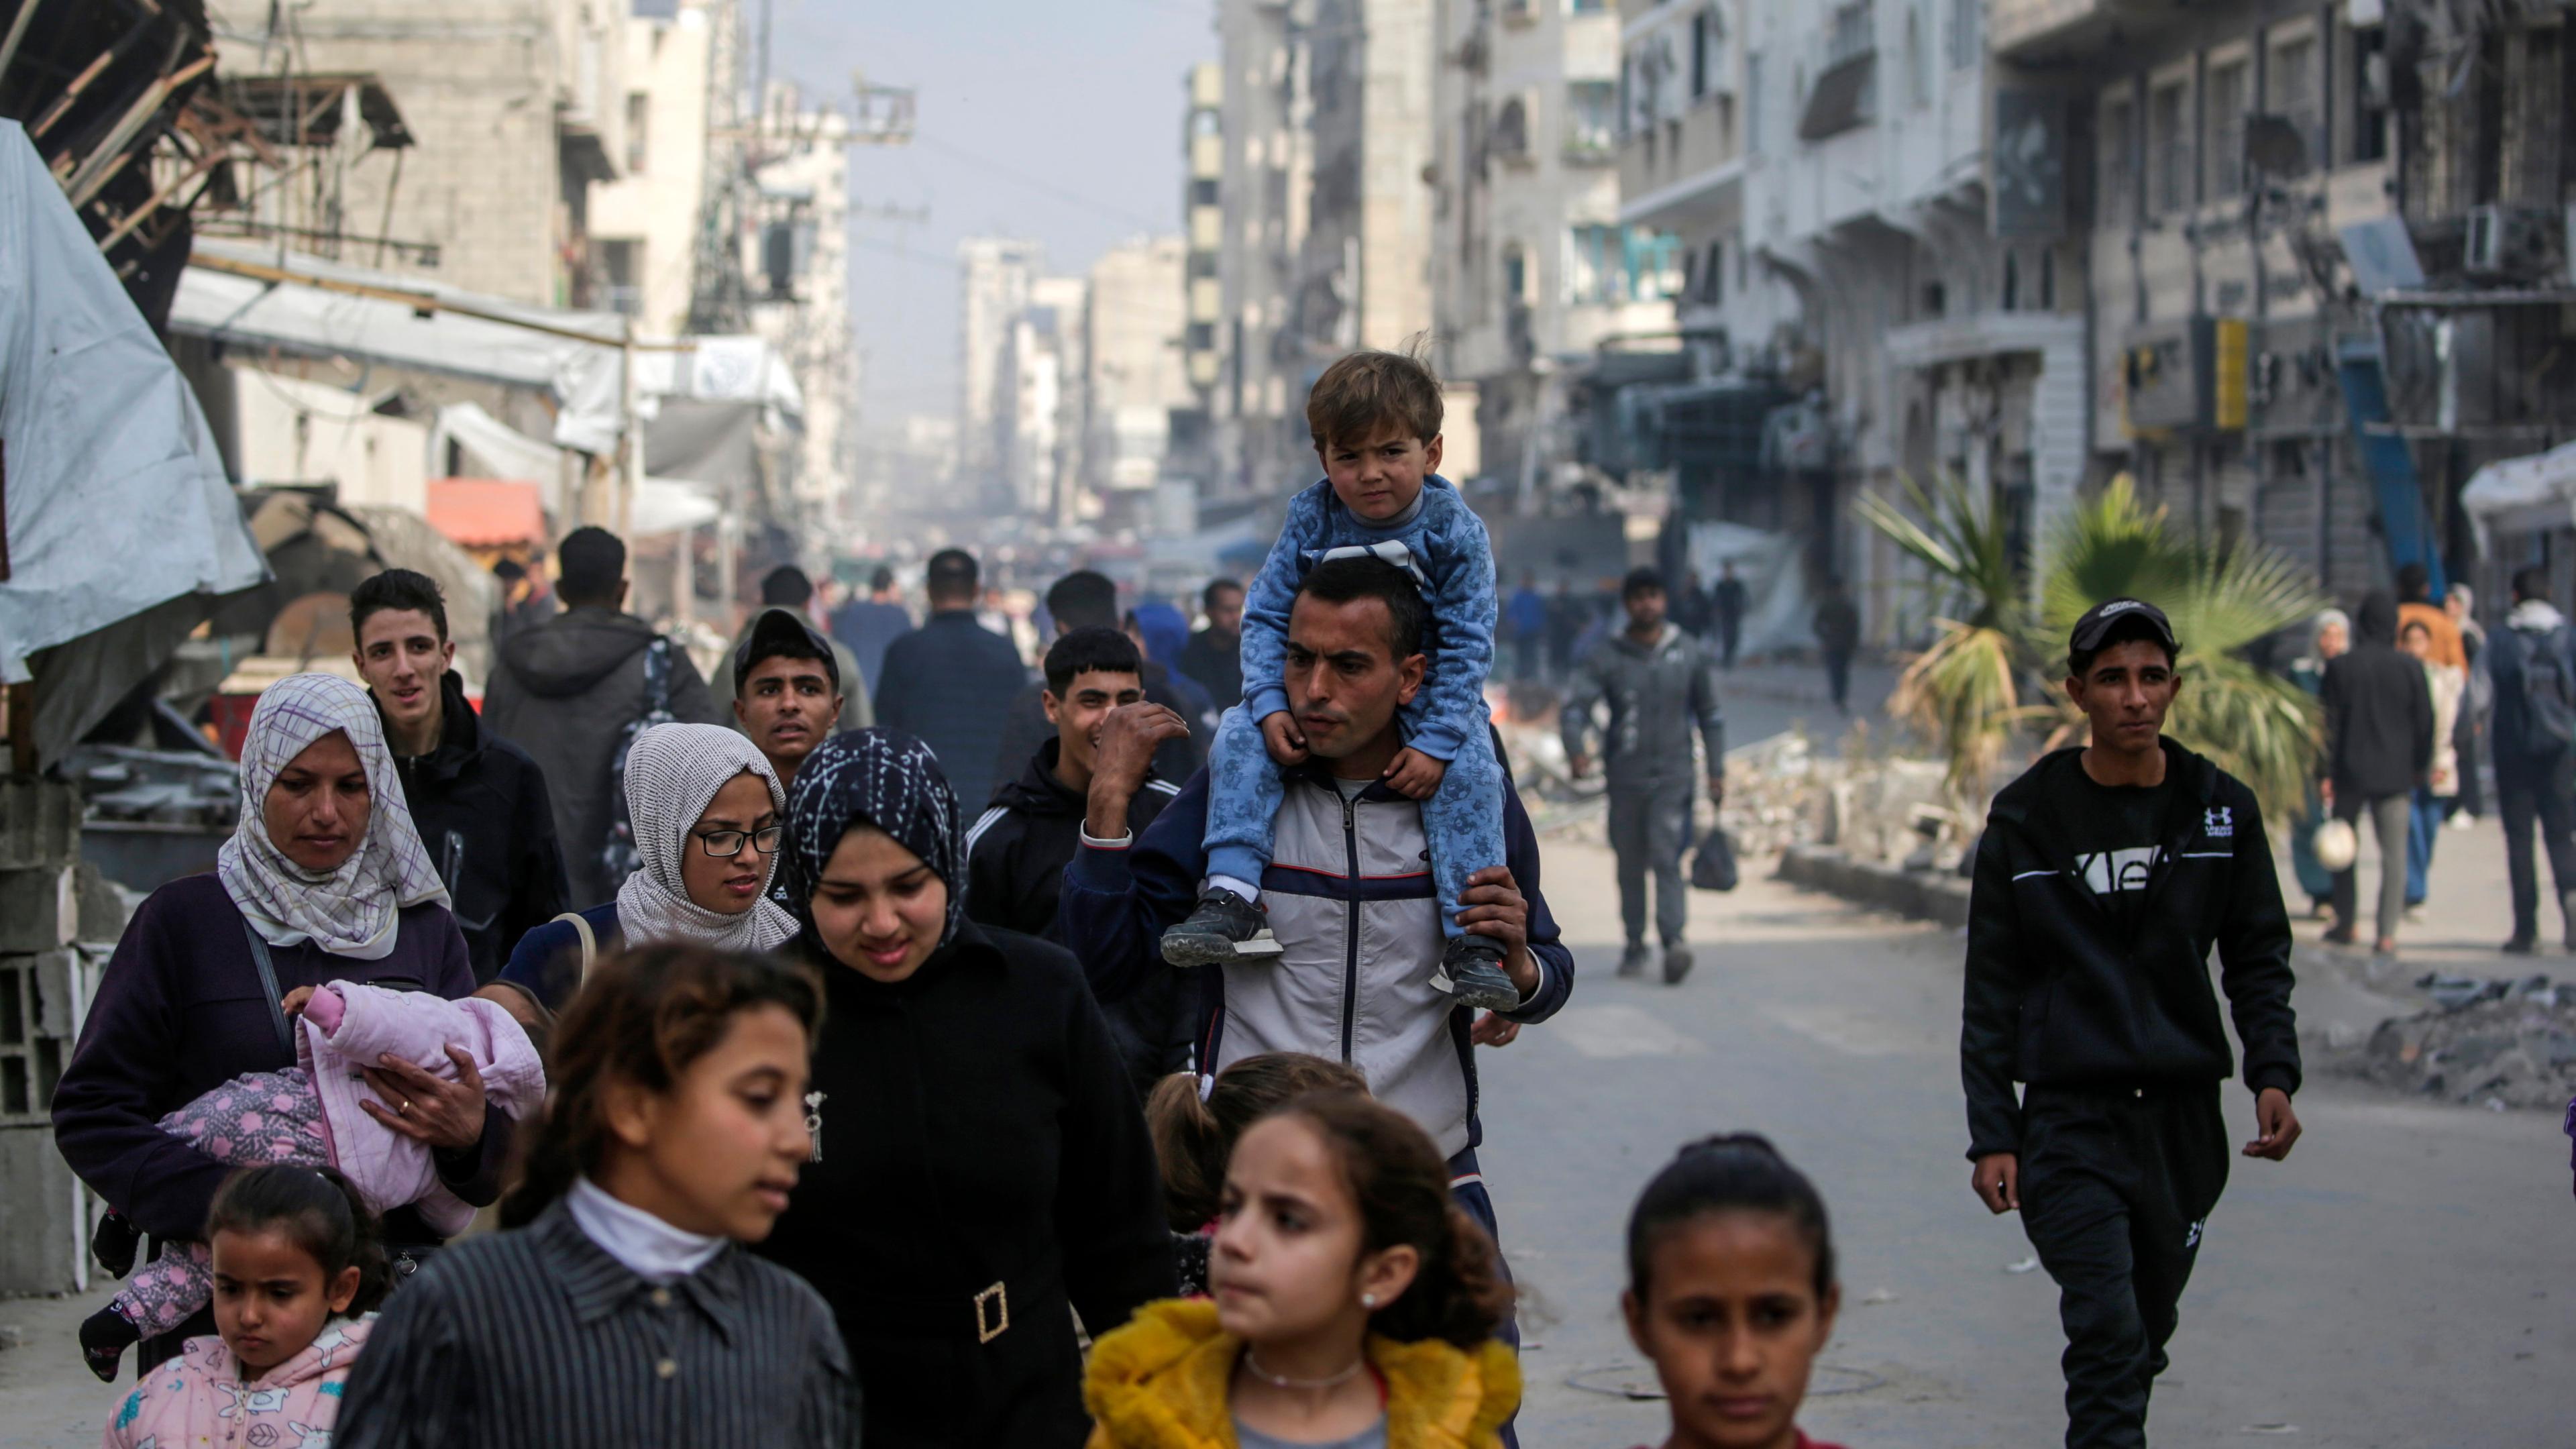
(39,908)
(44,1217)
(39,822)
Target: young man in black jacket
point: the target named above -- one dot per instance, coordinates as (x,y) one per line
(478,801)
(2105,875)
(1017,851)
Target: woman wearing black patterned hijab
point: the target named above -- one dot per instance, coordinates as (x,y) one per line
(980,1162)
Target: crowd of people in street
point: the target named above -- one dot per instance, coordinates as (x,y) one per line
(923,1050)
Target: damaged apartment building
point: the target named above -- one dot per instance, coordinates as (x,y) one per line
(2326,262)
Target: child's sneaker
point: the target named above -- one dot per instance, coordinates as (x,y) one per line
(1471,969)
(104,1336)
(1225,927)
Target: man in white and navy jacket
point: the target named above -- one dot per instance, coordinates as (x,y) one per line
(1349,889)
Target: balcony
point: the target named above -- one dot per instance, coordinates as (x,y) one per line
(1677,174)
(2041,31)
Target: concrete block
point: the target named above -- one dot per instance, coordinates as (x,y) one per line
(44,1217)
(39,822)
(39,908)
(1923,895)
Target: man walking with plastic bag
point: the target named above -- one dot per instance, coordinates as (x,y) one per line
(1660,685)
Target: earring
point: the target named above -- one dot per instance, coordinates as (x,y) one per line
(1368,1301)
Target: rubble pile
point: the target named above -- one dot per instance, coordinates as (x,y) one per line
(2494,1043)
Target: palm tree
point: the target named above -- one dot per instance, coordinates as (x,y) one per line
(1970,689)
(1992,667)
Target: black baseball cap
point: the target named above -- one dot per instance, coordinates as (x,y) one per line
(2102,618)
(776,627)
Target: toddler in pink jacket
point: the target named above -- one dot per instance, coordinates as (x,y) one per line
(308,1115)
(298,1269)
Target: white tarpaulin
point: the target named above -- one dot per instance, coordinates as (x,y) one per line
(662,505)
(584,377)
(117,501)
(2522,494)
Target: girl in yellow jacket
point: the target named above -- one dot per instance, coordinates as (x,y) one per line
(1354,1305)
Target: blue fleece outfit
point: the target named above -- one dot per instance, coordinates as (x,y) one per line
(1443,543)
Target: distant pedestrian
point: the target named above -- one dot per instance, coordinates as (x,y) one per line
(525,599)
(1661,689)
(2477,706)
(2333,636)
(1086,599)
(789,693)
(950,682)
(1567,618)
(1690,609)
(567,691)
(1732,1292)
(1726,601)
(2105,875)
(2433,798)
(2532,661)
(868,625)
(786,589)
(1837,629)
(1525,621)
(282,1351)
(479,801)
(619,1308)
(1356,1305)
(707,809)
(1215,654)
(2378,748)
(2416,605)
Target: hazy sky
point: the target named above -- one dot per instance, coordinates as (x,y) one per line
(1058,120)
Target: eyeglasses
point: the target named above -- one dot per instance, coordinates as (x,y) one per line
(723,843)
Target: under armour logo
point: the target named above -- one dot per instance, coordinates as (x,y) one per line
(2218,822)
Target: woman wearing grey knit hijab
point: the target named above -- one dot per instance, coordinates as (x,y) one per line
(981,1167)
(705,806)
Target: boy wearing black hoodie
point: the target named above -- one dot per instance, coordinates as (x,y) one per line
(1016,852)
(2105,875)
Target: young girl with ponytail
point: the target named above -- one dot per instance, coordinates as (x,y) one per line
(1731,1292)
(1195,1121)
(297,1267)
(1355,1304)
(619,1309)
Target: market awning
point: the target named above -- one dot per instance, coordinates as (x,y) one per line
(258,297)
(486,512)
(2527,494)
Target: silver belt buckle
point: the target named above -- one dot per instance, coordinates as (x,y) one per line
(990,1326)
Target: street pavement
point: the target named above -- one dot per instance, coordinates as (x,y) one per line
(2390,1284)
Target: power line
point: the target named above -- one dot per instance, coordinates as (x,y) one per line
(1072,198)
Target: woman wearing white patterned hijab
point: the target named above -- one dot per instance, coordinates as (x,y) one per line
(709,845)
(315,769)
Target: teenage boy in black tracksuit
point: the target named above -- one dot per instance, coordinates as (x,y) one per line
(2105,875)
(1017,851)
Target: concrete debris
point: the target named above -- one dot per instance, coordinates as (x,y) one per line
(2504,1044)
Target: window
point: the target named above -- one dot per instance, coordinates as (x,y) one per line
(2048,279)
(2294,86)
(1855,33)
(2169,147)
(2223,121)
(2118,202)
(1586,7)
(1712,278)
(1607,265)
(1753,117)
(1591,116)
(1918,77)
(1515,276)
(1705,36)
(2012,282)
(1203,191)
(639,113)
(621,265)
(1511,130)
(2369,94)
(1967,33)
